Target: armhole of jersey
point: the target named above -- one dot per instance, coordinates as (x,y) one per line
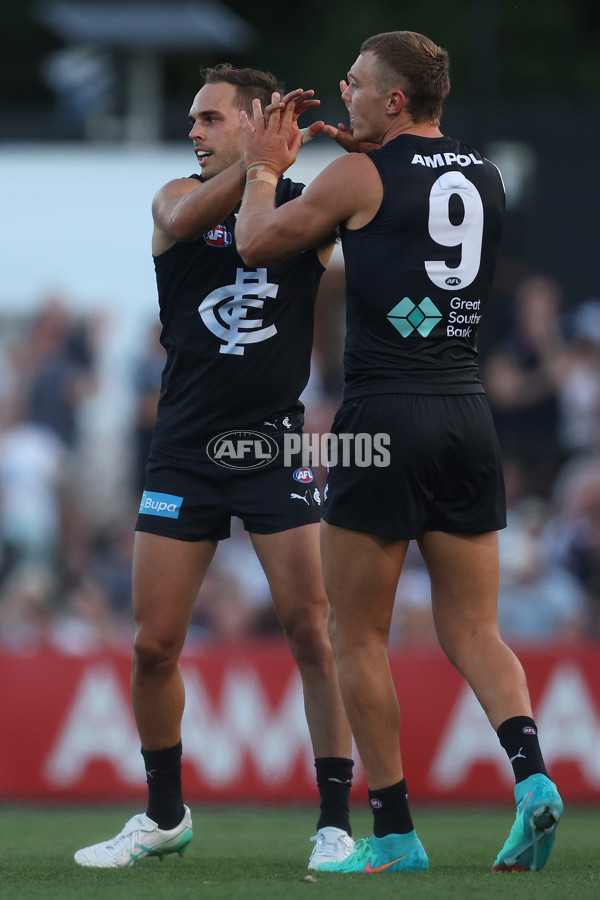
(378,213)
(171,250)
(321,269)
(499,174)
(313,254)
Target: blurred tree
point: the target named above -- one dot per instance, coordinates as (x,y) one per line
(524,48)
(318,42)
(23,45)
(551,48)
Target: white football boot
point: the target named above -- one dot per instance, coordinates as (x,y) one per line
(140,837)
(331,845)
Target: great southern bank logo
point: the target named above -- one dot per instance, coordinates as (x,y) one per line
(155,504)
(242,450)
(407,317)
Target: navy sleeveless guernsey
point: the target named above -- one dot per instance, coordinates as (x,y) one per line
(238,340)
(418,275)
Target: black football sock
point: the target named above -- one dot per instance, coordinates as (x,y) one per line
(334,780)
(390,810)
(518,736)
(165,797)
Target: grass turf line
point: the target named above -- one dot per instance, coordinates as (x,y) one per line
(262,854)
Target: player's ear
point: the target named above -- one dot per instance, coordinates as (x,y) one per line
(396,102)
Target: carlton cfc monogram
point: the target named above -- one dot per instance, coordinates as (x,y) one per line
(225,311)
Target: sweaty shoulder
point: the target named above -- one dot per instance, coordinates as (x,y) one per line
(351,187)
(163,204)
(178,186)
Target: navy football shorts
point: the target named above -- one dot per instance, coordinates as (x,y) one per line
(194,500)
(444,472)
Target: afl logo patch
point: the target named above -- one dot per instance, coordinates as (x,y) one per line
(529,730)
(452,281)
(218,237)
(304,475)
(242,449)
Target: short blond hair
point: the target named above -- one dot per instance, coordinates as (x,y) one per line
(411,61)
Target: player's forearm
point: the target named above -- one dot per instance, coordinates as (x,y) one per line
(205,207)
(255,230)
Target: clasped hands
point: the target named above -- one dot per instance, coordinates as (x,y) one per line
(273,137)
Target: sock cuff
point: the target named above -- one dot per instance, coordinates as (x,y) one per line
(336,768)
(168,758)
(516,722)
(392,792)
(333,760)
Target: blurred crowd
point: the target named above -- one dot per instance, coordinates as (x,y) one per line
(69,490)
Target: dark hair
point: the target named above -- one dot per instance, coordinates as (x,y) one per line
(410,60)
(250,83)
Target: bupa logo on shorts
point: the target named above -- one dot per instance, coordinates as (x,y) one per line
(304,475)
(154,504)
(218,237)
(242,450)
(407,317)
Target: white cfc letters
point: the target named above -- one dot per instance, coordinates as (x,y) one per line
(468,233)
(225,311)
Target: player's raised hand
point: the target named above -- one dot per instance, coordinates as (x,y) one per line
(274,144)
(303,101)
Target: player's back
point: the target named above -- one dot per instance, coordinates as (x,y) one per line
(419,274)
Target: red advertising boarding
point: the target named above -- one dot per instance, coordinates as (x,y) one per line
(68,731)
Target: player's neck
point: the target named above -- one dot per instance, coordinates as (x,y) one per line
(407,126)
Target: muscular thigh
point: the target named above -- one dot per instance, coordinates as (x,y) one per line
(291,561)
(463,569)
(167,575)
(361,575)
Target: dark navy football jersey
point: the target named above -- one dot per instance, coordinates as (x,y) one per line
(238,340)
(419,274)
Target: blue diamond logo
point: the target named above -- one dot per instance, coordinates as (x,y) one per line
(407,317)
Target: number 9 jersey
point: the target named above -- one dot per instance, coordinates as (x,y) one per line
(419,274)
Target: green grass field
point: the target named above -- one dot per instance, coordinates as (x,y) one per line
(262,853)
